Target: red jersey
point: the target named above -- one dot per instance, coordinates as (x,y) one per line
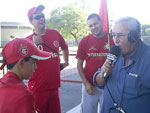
(47,74)
(94,51)
(15,96)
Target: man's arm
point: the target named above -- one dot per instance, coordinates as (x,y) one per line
(65,54)
(88,86)
(99,79)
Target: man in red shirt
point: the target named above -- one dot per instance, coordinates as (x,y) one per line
(93,50)
(45,81)
(20,56)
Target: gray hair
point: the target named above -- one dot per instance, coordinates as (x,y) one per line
(133,23)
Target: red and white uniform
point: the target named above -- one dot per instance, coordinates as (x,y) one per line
(15,96)
(94,51)
(46,77)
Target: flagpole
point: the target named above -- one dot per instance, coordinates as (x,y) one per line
(108,42)
(103,13)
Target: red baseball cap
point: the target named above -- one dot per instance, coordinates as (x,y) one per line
(34,9)
(22,48)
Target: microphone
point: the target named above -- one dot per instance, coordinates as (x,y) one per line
(112,56)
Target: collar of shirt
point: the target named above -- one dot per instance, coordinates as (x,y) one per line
(11,79)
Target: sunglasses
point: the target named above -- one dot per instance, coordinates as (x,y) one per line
(38,17)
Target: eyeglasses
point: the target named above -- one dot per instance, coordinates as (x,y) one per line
(38,17)
(118,35)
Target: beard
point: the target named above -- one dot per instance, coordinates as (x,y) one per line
(99,34)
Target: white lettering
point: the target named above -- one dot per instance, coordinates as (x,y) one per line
(97,54)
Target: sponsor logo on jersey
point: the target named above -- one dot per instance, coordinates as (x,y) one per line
(54,55)
(92,48)
(97,54)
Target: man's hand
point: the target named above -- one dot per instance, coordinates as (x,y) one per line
(37,40)
(89,89)
(64,64)
(107,67)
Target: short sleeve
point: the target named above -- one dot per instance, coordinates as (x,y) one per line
(81,53)
(63,43)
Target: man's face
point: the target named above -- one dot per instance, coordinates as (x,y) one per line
(38,20)
(120,36)
(95,26)
(28,68)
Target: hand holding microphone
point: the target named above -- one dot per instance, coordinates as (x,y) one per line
(37,39)
(111,59)
(106,68)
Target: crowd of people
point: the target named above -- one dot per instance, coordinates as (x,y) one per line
(121,86)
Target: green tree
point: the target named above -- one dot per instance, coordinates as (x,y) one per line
(145,29)
(147,32)
(70,21)
(12,37)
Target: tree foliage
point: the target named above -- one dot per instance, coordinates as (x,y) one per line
(70,21)
(145,30)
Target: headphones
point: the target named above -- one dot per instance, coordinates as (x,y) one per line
(134,35)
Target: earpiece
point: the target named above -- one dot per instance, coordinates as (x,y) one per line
(133,36)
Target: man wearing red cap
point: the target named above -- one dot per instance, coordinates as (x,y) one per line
(46,79)
(20,56)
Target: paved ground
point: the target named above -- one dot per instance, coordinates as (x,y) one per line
(70,96)
(70,91)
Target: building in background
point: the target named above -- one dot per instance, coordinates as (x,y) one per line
(10,30)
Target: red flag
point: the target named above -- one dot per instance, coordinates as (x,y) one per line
(103,13)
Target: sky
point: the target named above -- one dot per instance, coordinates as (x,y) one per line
(16,10)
